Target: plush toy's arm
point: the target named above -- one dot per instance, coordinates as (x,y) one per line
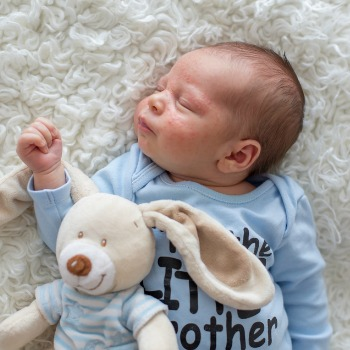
(22,327)
(156,334)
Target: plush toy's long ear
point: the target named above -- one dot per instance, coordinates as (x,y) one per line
(14,198)
(214,258)
(82,185)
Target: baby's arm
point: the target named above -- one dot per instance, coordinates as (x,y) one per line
(40,148)
(298,269)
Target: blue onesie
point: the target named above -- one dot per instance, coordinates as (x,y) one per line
(274,221)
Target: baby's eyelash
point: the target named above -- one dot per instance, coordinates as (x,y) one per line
(184,104)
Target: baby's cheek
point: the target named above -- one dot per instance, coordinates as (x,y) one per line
(183,137)
(181,128)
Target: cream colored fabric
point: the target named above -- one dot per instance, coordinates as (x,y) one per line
(14,198)
(214,258)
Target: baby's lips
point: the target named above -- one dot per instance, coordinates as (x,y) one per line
(143,124)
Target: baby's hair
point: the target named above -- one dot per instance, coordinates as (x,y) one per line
(271,109)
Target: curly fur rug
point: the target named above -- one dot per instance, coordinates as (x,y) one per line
(85,64)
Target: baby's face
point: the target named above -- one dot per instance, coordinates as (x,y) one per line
(183,125)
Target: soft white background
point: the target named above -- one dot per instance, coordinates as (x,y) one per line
(85,63)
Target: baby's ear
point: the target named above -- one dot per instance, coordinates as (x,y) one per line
(240,157)
(216,261)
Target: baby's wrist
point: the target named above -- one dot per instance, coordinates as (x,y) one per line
(50,179)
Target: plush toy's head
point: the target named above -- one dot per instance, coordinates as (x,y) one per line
(104,245)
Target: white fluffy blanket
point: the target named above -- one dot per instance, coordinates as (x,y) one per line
(85,64)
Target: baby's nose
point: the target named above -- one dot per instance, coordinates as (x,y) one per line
(157,103)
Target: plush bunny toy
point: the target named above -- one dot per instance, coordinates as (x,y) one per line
(105,248)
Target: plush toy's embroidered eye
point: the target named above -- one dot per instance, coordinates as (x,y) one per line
(81,234)
(103,242)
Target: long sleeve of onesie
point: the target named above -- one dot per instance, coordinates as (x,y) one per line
(298,270)
(50,208)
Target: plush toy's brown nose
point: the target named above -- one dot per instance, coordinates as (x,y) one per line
(79,265)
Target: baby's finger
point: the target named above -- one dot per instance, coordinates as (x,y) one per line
(42,129)
(50,126)
(33,137)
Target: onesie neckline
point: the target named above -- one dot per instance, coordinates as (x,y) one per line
(262,183)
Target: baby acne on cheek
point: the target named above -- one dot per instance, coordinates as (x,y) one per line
(180,132)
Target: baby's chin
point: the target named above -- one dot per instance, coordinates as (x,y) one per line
(144,149)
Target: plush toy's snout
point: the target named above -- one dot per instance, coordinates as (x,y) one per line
(79,265)
(86,267)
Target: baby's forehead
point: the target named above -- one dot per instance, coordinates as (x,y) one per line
(202,64)
(199,59)
(215,77)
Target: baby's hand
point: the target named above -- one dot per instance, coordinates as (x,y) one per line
(40,148)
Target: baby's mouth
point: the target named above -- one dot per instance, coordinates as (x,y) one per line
(143,125)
